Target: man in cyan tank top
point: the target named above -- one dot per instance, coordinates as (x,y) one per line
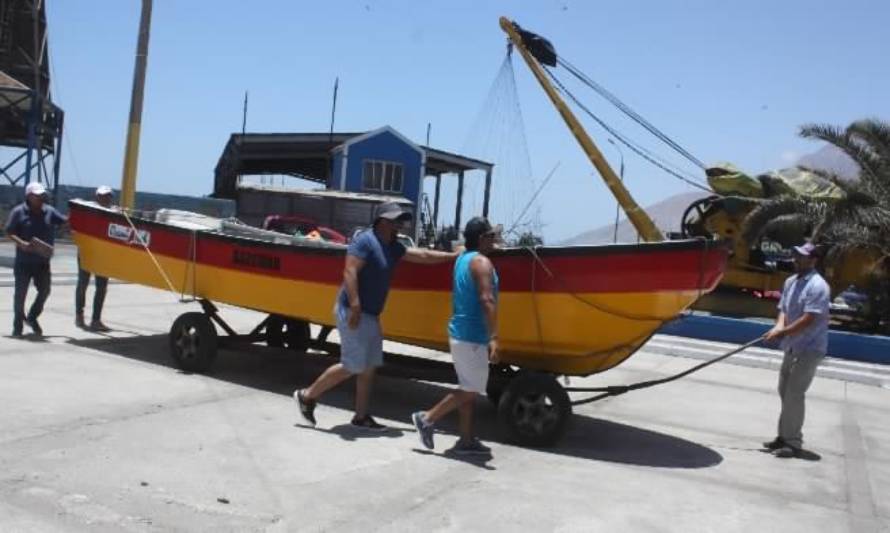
(472,333)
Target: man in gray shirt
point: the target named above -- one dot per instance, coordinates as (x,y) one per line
(802,327)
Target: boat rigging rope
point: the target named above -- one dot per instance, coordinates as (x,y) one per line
(601,308)
(615,390)
(627,110)
(642,152)
(141,241)
(631,346)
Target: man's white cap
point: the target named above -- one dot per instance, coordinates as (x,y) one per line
(35,188)
(103,190)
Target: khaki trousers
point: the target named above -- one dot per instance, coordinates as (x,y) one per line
(795,377)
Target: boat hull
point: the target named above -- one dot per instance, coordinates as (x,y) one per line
(569,310)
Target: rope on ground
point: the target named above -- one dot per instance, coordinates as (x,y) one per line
(615,390)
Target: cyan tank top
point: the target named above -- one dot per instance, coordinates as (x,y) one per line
(467,317)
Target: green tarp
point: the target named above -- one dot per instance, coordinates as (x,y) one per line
(726,180)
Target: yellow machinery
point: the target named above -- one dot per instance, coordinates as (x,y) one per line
(754,277)
(756,271)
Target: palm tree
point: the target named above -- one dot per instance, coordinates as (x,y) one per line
(860,219)
(857,221)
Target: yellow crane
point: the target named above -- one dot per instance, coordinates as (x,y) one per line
(522,41)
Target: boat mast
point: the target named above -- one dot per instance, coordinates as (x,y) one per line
(131,155)
(641,221)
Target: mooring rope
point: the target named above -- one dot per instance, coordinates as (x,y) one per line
(157,264)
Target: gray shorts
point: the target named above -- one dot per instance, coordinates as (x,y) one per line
(360,348)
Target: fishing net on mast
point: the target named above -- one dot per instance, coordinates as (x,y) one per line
(497,135)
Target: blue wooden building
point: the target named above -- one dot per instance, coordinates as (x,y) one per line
(378,162)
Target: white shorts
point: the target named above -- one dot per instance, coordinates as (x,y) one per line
(471,365)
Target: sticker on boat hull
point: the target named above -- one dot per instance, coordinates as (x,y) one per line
(126,234)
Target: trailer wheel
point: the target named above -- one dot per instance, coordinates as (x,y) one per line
(193,342)
(287,333)
(534,410)
(498,377)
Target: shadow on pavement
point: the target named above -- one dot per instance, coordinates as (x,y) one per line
(281,371)
(480,461)
(351,433)
(805,455)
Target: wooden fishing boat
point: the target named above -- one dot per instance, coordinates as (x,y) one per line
(565,310)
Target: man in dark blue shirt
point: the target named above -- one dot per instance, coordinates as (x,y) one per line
(31,226)
(370,261)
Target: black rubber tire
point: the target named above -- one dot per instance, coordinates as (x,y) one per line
(494,390)
(498,377)
(193,342)
(288,333)
(534,410)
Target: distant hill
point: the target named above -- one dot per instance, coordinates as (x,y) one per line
(832,159)
(666,214)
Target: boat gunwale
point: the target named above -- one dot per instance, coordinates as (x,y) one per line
(338,249)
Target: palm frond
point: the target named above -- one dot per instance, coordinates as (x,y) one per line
(875,134)
(760,218)
(789,230)
(869,163)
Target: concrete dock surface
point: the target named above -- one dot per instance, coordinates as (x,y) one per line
(101,432)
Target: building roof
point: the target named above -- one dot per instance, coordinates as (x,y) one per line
(308,156)
(326,193)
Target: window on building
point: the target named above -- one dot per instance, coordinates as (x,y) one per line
(383,176)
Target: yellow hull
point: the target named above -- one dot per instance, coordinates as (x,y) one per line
(574,334)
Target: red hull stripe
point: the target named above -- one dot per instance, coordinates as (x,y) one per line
(636,268)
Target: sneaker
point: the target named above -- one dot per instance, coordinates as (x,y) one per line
(367,422)
(472,446)
(34,325)
(787,451)
(306,407)
(774,444)
(79,322)
(424,429)
(97,325)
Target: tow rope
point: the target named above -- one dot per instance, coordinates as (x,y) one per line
(616,390)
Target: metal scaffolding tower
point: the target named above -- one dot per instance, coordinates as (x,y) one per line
(30,124)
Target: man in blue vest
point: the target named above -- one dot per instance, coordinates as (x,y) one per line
(473,338)
(31,226)
(802,327)
(370,260)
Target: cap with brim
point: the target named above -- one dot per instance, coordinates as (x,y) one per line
(35,188)
(807,250)
(103,190)
(391,211)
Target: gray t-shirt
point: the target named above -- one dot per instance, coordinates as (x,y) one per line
(806,294)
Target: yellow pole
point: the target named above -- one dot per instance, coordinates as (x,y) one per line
(131,154)
(641,221)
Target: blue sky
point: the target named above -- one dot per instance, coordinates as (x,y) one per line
(730,81)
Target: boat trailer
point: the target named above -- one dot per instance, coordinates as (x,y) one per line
(533,408)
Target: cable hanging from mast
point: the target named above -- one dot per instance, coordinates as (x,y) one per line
(639,150)
(627,110)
